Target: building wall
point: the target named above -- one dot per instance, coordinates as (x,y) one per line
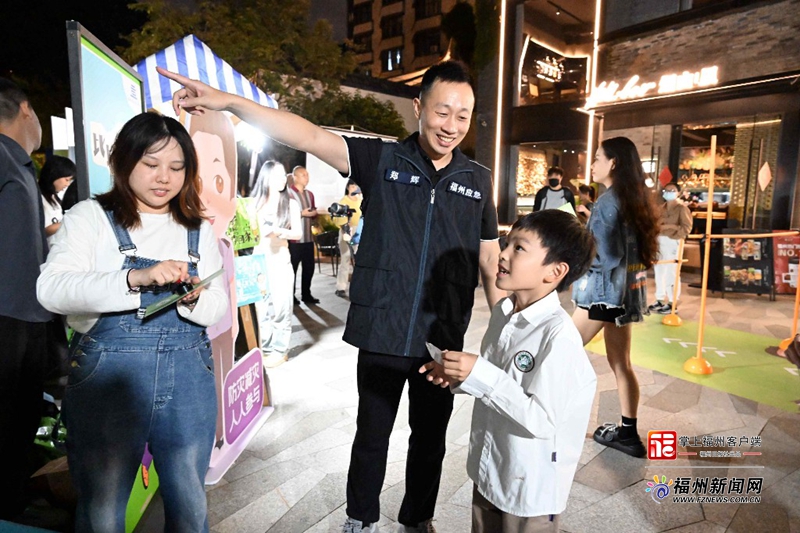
(410,63)
(745,43)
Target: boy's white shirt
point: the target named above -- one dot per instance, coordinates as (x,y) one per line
(528,428)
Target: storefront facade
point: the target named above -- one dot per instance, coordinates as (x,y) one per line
(550,50)
(723,68)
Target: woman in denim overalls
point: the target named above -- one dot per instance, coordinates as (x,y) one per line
(136,381)
(613,294)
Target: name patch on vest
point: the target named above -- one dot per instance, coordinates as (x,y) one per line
(464,191)
(406,178)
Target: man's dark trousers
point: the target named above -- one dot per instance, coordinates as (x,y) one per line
(303,253)
(23,357)
(380,386)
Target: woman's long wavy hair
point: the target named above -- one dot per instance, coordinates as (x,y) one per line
(148,133)
(260,192)
(636,202)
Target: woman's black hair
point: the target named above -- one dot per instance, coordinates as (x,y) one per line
(347,187)
(144,133)
(635,200)
(56,167)
(260,192)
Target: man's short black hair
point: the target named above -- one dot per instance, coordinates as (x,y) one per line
(446,71)
(565,239)
(587,190)
(11,97)
(555,170)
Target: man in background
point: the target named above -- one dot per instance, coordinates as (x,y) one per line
(302,251)
(553,195)
(23,330)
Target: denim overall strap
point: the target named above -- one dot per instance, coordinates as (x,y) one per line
(194,245)
(126,246)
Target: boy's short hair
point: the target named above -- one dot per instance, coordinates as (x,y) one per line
(555,170)
(565,239)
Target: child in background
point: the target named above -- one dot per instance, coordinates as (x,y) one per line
(533,379)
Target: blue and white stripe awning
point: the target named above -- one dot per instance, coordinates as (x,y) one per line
(192,58)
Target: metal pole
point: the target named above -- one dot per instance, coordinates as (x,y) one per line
(697,364)
(758,169)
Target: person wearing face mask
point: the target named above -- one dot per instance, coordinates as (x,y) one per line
(554,195)
(676,223)
(55,177)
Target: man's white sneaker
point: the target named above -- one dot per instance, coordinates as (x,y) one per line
(425,526)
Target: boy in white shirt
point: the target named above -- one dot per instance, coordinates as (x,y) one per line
(534,381)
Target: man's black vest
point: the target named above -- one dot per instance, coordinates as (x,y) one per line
(417,265)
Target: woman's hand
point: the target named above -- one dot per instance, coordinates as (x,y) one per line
(190,300)
(159,274)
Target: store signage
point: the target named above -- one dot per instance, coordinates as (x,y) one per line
(635,88)
(550,69)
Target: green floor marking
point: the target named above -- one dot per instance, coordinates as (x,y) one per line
(741,365)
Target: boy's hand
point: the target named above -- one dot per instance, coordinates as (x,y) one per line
(436,375)
(458,365)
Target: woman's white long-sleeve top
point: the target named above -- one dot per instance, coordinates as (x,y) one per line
(83,277)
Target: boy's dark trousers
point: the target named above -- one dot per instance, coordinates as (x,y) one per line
(380,386)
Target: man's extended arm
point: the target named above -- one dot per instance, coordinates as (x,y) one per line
(196,97)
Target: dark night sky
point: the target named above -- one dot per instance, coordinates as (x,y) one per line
(33,33)
(33,42)
(335,11)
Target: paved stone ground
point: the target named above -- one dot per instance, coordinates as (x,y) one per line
(292,476)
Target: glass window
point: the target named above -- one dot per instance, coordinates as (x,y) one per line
(392,59)
(391,26)
(427,42)
(363,42)
(427,8)
(550,77)
(362,13)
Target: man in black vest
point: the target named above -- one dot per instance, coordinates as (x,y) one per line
(432,229)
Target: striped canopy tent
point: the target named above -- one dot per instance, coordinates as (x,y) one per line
(192,58)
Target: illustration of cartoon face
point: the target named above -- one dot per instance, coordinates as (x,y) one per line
(215,143)
(217,185)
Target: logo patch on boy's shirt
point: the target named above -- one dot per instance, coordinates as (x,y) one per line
(524,361)
(463,190)
(406,178)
